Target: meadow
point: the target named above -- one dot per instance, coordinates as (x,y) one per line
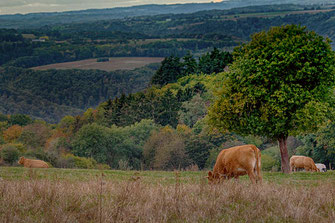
(114,63)
(75,195)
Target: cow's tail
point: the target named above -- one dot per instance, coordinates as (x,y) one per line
(258,164)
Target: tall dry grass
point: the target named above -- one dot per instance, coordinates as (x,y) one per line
(100,200)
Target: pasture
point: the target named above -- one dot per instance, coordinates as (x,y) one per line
(114,63)
(73,195)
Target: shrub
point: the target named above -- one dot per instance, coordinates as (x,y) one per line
(101,166)
(10,154)
(269,163)
(81,162)
(124,165)
(103,59)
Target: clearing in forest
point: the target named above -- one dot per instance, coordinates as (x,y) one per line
(114,63)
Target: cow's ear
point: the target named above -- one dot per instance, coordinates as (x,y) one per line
(210,174)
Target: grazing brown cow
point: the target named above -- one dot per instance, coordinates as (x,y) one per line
(302,162)
(237,161)
(33,163)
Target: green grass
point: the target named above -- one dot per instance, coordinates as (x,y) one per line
(161,177)
(74,195)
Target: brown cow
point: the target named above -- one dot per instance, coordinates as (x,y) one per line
(32,163)
(302,162)
(237,161)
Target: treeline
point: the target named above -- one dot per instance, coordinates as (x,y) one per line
(176,137)
(92,140)
(163,128)
(51,94)
(129,132)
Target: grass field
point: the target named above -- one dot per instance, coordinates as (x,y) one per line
(68,195)
(114,63)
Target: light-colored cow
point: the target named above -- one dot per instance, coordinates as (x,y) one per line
(304,162)
(237,161)
(321,167)
(32,163)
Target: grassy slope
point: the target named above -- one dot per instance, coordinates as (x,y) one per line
(59,195)
(165,177)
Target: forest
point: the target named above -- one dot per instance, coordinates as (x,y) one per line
(161,35)
(34,20)
(163,127)
(128,119)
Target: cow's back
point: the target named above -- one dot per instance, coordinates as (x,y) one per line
(237,160)
(302,162)
(35,164)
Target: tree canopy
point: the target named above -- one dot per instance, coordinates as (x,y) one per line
(279,84)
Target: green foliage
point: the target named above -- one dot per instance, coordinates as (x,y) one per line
(169,71)
(214,62)
(9,153)
(93,141)
(192,111)
(165,150)
(35,135)
(213,154)
(274,153)
(279,83)
(2,141)
(320,146)
(110,145)
(172,68)
(20,119)
(269,163)
(53,94)
(81,162)
(103,59)
(198,150)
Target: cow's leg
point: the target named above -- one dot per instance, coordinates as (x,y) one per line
(252,176)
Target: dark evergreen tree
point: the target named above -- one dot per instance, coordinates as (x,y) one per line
(169,71)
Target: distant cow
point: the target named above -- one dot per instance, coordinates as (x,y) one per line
(321,167)
(237,161)
(304,162)
(33,163)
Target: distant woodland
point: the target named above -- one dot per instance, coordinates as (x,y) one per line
(161,35)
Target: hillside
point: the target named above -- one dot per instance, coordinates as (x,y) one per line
(146,36)
(53,94)
(34,20)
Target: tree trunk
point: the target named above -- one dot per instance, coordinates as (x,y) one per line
(285,166)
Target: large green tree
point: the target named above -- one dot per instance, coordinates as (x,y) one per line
(279,84)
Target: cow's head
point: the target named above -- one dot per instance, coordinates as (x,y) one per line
(21,160)
(215,178)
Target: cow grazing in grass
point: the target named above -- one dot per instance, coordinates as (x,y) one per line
(237,161)
(304,162)
(321,167)
(33,163)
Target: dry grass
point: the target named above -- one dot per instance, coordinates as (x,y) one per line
(102,199)
(114,63)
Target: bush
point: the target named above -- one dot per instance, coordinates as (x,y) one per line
(101,166)
(269,163)
(103,59)
(81,162)
(124,165)
(10,154)
(269,155)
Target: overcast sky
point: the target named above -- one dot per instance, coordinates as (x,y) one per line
(28,6)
